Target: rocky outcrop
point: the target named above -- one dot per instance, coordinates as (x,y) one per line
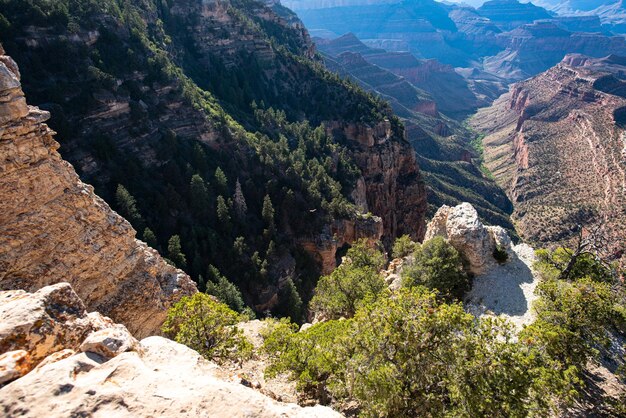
(509,14)
(323,247)
(555,144)
(54,228)
(81,364)
(394,189)
(476,242)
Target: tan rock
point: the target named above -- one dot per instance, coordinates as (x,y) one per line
(54,228)
(42,323)
(114,375)
(109,342)
(476,242)
(13,364)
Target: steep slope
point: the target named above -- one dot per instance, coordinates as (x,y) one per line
(446,156)
(556,144)
(224,133)
(533,48)
(53,227)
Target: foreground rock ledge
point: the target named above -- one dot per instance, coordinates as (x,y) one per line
(82,364)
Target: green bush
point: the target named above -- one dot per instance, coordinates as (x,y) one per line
(437,265)
(403,246)
(340,293)
(573,319)
(207,326)
(408,355)
(313,358)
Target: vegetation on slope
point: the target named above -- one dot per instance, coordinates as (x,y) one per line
(234,204)
(410,353)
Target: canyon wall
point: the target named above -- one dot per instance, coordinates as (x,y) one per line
(54,228)
(556,144)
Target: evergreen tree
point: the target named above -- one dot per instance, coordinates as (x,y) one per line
(220,287)
(267,212)
(149,237)
(239,202)
(127,205)
(222,211)
(221,180)
(175,252)
(199,194)
(290,303)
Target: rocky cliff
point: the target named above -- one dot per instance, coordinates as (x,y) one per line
(556,145)
(53,227)
(58,360)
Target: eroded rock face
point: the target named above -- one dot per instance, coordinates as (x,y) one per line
(394,189)
(476,242)
(96,368)
(54,228)
(555,144)
(324,246)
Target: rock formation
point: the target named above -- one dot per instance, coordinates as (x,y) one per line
(556,144)
(324,246)
(476,242)
(58,360)
(54,228)
(509,14)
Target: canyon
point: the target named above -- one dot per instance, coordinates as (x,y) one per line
(186,102)
(555,143)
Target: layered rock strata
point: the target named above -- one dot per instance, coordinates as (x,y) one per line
(556,144)
(53,227)
(57,360)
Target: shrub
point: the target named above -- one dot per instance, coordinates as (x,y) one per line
(313,358)
(572,319)
(403,246)
(500,254)
(410,355)
(437,265)
(207,326)
(340,293)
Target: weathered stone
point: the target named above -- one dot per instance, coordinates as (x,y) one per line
(13,364)
(53,227)
(44,322)
(109,342)
(476,242)
(114,375)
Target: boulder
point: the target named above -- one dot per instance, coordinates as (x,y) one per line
(476,242)
(41,323)
(109,342)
